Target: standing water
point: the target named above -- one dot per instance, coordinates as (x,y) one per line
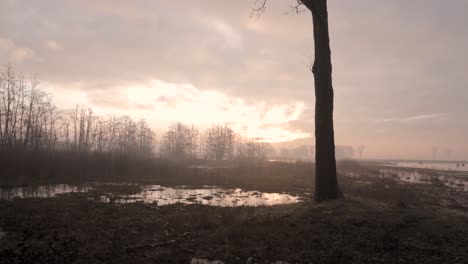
(448,166)
(206,196)
(42,191)
(459,183)
(159,195)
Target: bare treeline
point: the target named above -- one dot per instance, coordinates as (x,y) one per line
(28,119)
(84,132)
(219,142)
(30,122)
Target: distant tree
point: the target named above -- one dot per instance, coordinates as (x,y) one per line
(145,137)
(360,150)
(284,153)
(220,142)
(177,142)
(28,118)
(344,152)
(252,150)
(449,153)
(326,183)
(29,121)
(202,145)
(194,135)
(435,152)
(300,153)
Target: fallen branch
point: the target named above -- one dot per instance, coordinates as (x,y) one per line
(161,244)
(152,207)
(187,249)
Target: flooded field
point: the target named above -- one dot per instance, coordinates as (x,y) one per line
(160,195)
(156,194)
(448,166)
(42,191)
(459,183)
(225,197)
(404,175)
(225,221)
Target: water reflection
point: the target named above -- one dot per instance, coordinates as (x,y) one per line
(156,194)
(159,195)
(455,182)
(43,191)
(448,166)
(459,183)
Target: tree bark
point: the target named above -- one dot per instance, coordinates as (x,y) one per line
(326,183)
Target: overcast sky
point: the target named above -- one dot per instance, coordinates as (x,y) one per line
(400,67)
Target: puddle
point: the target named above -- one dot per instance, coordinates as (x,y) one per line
(159,195)
(43,191)
(156,194)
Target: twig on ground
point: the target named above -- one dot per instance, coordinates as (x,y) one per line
(150,245)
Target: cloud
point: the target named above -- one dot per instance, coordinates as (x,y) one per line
(20,54)
(232,38)
(162,103)
(14,53)
(409,119)
(52,45)
(5,44)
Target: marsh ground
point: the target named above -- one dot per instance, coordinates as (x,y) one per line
(379,221)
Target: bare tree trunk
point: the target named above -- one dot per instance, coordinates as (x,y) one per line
(326,183)
(8,102)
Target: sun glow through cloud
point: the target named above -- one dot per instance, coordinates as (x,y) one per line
(162,103)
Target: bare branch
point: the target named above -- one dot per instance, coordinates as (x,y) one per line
(298,7)
(259,8)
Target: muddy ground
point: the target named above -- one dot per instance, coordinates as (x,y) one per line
(379,221)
